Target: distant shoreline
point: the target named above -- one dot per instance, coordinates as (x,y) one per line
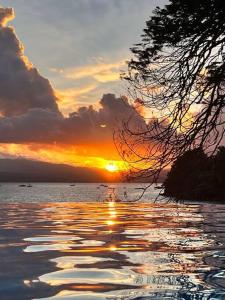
(24,170)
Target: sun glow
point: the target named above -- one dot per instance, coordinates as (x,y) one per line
(77,156)
(111,167)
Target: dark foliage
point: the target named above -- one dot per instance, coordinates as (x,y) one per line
(195,176)
(177,73)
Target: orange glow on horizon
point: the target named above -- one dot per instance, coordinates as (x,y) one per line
(77,156)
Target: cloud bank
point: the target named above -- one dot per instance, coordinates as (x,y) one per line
(86,125)
(28,104)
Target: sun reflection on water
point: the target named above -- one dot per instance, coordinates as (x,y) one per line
(110,250)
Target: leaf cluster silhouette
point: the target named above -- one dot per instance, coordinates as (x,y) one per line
(177,74)
(196,176)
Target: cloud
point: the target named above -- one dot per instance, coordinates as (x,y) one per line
(84,126)
(36,125)
(101,71)
(6,14)
(69,98)
(21,86)
(30,119)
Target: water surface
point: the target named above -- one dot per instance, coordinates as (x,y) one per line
(109,250)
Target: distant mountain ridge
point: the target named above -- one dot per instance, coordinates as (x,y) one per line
(24,170)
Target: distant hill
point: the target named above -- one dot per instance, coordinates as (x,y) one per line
(23,170)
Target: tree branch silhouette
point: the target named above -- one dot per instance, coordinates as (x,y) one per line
(177,73)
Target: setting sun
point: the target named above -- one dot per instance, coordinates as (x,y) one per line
(111,167)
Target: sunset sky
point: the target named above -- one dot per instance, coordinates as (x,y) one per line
(55,61)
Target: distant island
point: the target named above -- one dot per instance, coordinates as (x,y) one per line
(195,176)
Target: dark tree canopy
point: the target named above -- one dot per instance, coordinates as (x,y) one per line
(177,73)
(195,176)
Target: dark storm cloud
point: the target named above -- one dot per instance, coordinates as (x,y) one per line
(21,86)
(86,125)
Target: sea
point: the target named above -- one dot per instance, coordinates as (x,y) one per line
(62,241)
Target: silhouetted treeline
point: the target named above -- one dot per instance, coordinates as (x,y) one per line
(195,176)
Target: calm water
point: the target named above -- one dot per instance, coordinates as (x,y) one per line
(85,249)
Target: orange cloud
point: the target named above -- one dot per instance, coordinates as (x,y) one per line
(69,97)
(6,15)
(101,71)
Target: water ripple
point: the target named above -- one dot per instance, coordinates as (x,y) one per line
(112,251)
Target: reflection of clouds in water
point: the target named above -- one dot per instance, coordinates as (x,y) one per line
(109,249)
(56,242)
(92,243)
(57,238)
(90,275)
(73,295)
(68,262)
(51,247)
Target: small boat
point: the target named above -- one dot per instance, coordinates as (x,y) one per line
(22,185)
(72,184)
(29,185)
(103,185)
